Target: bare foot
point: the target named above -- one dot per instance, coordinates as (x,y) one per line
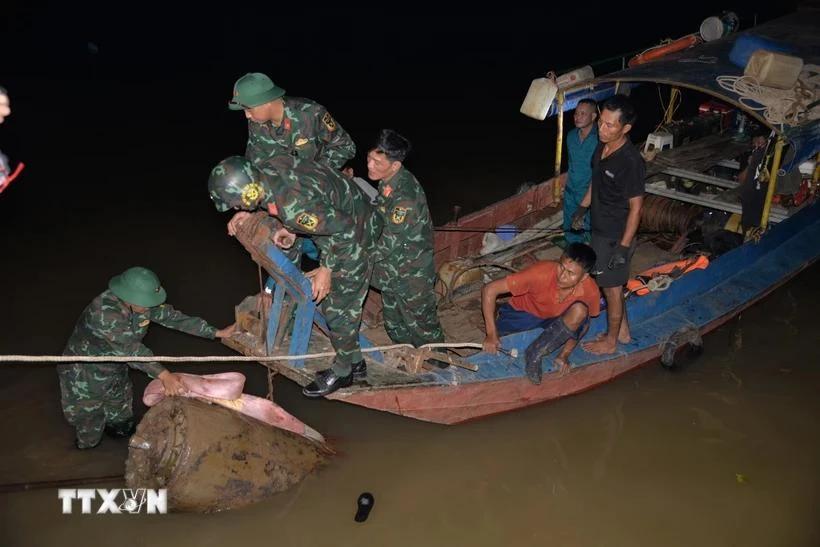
(623,339)
(604,346)
(563,366)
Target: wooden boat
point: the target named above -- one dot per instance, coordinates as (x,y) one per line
(480,384)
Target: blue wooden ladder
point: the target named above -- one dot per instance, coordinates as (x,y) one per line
(291,281)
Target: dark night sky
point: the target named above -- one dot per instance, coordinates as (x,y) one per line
(143,80)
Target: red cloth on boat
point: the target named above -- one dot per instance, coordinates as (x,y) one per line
(225,389)
(535,291)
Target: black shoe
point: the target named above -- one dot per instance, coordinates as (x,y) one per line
(121,429)
(359,370)
(326,382)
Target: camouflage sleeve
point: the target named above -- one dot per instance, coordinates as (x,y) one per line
(151,369)
(336,145)
(305,211)
(169,317)
(114,336)
(340,231)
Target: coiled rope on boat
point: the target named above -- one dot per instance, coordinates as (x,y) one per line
(664,215)
(778,106)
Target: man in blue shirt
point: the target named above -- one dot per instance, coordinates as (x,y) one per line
(581,143)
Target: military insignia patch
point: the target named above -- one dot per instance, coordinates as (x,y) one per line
(307,221)
(251,194)
(145,323)
(301,141)
(387,190)
(329,122)
(273,210)
(399,214)
(286,124)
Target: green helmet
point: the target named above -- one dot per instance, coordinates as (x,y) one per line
(138,286)
(234,182)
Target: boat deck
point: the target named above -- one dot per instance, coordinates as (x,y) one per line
(461,320)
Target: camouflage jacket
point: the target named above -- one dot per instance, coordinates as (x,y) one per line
(408,229)
(314,200)
(107,326)
(308,131)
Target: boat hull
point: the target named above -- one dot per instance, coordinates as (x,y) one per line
(704,299)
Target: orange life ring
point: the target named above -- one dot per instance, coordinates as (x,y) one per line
(659,51)
(638,284)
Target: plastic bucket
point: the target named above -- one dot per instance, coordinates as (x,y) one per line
(718,26)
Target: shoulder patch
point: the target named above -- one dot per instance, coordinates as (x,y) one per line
(307,221)
(399,214)
(329,122)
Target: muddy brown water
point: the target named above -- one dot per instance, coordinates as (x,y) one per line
(722,452)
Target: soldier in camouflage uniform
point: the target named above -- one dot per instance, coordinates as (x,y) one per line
(403,267)
(98,396)
(311,199)
(288,125)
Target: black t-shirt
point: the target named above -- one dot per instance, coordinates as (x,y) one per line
(614,180)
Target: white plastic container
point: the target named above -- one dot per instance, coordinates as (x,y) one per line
(574,77)
(774,69)
(539,98)
(807,168)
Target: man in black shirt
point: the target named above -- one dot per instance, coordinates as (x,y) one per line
(615,197)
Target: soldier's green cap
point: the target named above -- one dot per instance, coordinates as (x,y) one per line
(254,89)
(138,286)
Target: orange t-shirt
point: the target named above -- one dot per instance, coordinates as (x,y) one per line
(535,291)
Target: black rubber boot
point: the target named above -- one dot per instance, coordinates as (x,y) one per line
(121,429)
(554,336)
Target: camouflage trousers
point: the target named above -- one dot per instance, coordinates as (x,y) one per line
(93,395)
(342,309)
(409,301)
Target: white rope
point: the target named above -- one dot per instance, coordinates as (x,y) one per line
(778,106)
(209,358)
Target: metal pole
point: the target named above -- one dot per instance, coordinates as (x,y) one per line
(559,146)
(767,205)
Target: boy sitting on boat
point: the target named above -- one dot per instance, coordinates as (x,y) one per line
(558,296)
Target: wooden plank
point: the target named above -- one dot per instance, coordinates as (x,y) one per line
(778,213)
(700,177)
(698,155)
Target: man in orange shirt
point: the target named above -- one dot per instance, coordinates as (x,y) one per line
(559,297)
